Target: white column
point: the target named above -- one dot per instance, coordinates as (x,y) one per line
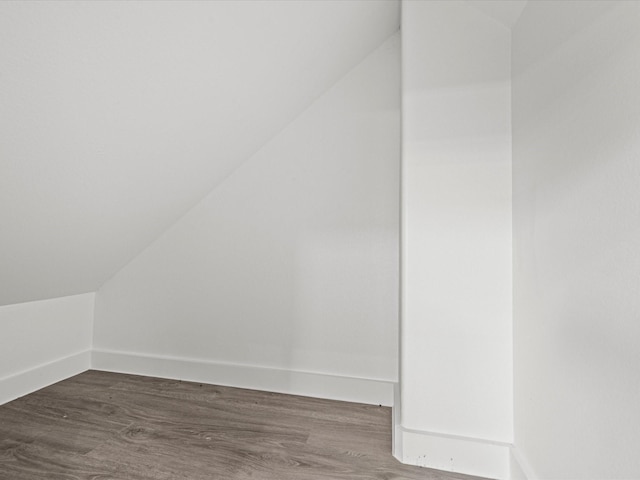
(456,335)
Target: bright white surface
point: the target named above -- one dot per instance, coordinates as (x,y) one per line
(290,263)
(456,367)
(333,387)
(576,124)
(456,454)
(37,333)
(117,117)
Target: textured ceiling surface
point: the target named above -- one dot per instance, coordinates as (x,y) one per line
(117,117)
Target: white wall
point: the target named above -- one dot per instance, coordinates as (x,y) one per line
(43,342)
(456,366)
(118,117)
(576,162)
(292,262)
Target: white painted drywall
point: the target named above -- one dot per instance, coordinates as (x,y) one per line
(292,262)
(456,365)
(576,165)
(505,12)
(119,116)
(38,338)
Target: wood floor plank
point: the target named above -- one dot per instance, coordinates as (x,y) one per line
(107,426)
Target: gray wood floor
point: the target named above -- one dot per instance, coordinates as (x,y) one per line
(102,426)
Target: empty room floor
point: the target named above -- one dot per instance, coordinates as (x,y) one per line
(100,425)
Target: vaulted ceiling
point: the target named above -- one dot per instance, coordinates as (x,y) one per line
(117,117)
(506,12)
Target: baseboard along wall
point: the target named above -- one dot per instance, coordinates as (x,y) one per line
(333,387)
(480,457)
(40,376)
(453,453)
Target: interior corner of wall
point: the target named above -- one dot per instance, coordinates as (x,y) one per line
(519,467)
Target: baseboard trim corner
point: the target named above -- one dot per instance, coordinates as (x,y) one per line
(334,387)
(396,427)
(33,379)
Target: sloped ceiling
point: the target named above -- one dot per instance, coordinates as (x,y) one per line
(505,12)
(117,117)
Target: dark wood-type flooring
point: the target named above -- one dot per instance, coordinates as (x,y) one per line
(104,426)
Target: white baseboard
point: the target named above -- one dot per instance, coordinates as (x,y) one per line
(472,456)
(28,381)
(520,467)
(396,426)
(425,449)
(334,387)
